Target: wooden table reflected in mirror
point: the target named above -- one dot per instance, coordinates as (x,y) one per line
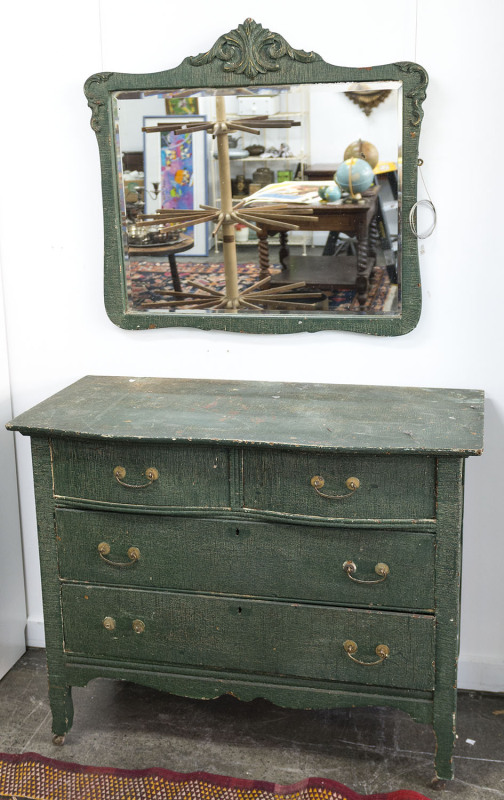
(355,219)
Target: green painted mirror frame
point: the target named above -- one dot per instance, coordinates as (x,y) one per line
(247,57)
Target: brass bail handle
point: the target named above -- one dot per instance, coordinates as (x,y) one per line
(151,473)
(318,483)
(381,569)
(381,650)
(133,554)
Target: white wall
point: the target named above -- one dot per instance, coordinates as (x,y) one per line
(336,122)
(52,236)
(12,593)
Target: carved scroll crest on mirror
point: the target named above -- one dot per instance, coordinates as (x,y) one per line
(228,203)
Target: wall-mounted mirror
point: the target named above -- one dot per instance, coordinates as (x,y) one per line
(257,188)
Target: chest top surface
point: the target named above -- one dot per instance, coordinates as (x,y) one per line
(337,418)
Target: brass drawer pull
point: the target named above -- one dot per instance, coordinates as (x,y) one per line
(351,483)
(381,569)
(138,626)
(151,473)
(381,650)
(133,555)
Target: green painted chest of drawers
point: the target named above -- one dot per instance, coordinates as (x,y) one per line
(297,542)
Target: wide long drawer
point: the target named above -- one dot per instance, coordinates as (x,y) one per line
(137,474)
(378,568)
(340,486)
(250,636)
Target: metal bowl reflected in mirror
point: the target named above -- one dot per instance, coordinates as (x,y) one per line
(255,149)
(139,236)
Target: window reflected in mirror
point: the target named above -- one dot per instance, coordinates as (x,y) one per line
(273,200)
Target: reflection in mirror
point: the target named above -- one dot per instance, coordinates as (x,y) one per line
(229,202)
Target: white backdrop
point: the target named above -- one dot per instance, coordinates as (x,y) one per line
(51,236)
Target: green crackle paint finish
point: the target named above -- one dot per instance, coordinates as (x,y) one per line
(252,50)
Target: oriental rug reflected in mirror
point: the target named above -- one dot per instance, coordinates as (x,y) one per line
(147,281)
(29,776)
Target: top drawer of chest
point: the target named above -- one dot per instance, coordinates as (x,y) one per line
(172,476)
(337,486)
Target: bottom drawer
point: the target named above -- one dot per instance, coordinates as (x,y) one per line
(253,636)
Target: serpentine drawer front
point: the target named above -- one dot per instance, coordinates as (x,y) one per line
(351,487)
(141,475)
(297,542)
(394,569)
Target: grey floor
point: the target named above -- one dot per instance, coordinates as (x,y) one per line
(371,750)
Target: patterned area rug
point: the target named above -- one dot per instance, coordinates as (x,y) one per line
(147,278)
(32,777)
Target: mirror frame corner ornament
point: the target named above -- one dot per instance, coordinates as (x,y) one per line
(248,56)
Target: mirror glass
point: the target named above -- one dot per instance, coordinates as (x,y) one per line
(304,244)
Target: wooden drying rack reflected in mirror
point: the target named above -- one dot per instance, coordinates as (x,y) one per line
(235,144)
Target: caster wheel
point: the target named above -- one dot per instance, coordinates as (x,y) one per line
(58,740)
(438,784)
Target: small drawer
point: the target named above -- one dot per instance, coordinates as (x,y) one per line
(373,568)
(340,486)
(141,475)
(263,638)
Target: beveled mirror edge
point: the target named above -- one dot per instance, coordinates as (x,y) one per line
(249,56)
